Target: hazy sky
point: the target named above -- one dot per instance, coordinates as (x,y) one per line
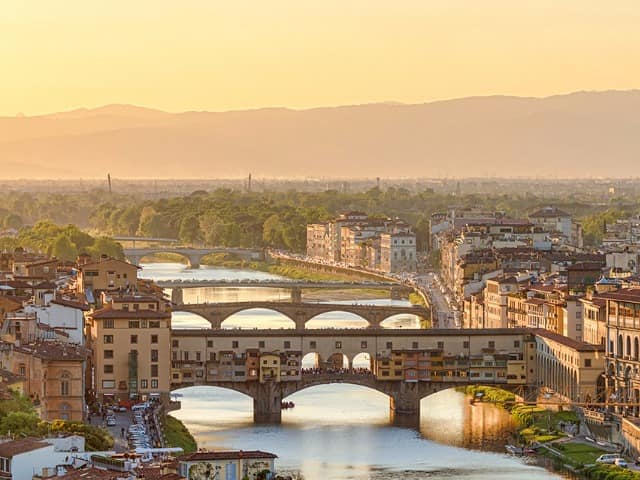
(231,54)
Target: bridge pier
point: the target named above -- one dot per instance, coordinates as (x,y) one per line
(177,296)
(404,405)
(296,294)
(267,403)
(194,261)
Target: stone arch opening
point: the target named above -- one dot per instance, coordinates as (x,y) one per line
(261,318)
(362,362)
(172,256)
(402,320)
(620,350)
(181,320)
(336,319)
(223,405)
(628,351)
(336,361)
(636,348)
(311,361)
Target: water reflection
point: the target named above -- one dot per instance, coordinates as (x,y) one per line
(338,431)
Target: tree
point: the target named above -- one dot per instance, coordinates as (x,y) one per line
(106,246)
(189,230)
(63,249)
(13,221)
(19,424)
(212,229)
(272,231)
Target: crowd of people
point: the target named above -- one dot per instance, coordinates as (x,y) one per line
(336,371)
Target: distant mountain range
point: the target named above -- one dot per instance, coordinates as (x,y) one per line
(582,134)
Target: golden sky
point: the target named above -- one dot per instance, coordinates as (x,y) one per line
(234,54)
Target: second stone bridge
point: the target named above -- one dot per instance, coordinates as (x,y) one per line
(300,313)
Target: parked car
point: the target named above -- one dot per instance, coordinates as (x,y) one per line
(608,458)
(620,462)
(111,421)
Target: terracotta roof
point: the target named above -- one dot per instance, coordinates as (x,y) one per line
(9,377)
(226,455)
(16,447)
(624,294)
(54,351)
(569,342)
(106,260)
(91,473)
(65,302)
(129,314)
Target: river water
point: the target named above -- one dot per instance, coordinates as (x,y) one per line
(340,432)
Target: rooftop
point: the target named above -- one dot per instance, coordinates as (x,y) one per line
(569,342)
(15,447)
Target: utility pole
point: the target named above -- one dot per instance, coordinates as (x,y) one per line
(109,182)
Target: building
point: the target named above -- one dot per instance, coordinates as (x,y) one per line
(20,459)
(105,274)
(594,319)
(130,337)
(552,219)
(623,347)
(398,252)
(230,465)
(496,294)
(571,368)
(54,377)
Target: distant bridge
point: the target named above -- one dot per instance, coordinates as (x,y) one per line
(273,284)
(299,312)
(193,255)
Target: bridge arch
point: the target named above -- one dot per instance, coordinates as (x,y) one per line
(321,320)
(190,260)
(250,318)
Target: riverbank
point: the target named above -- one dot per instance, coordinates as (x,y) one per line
(554,435)
(177,435)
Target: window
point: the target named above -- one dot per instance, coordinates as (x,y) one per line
(389,345)
(154,383)
(209,343)
(363,344)
(144,384)
(174,356)
(154,323)
(154,338)
(65,379)
(338,344)
(287,344)
(175,343)
(198,357)
(134,323)
(154,370)
(587,362)
(23,369)
(125,307)
(261,344)
(578,327)
(154,355)
(136,306)
(440,345)
(107,339)
(108,354)
(108,369)
(465,344)
(312,344)
(108,384)
(516,344)
(151,306)
(234,344)
(414,345)
(107,323)
(134,339)
(185,355)
(492,344)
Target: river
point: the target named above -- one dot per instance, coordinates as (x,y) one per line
(340,432)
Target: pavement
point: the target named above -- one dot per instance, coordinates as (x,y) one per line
(123,421)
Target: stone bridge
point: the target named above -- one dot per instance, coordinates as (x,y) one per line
(404,364)
(299,312)
(193,255)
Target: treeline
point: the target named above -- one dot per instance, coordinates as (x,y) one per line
(63,242)
(19,419)
(226,217)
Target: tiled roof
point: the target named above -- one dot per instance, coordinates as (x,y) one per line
(569,342)
(129,314)
(15,447)
(65,302)
(54,351)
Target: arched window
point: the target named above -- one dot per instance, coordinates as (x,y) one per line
(628,352)
(65,384)
(65,411)
(636,348)
(620,350)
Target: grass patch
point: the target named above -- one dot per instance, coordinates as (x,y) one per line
(580,453)
(491,394)
(177,435)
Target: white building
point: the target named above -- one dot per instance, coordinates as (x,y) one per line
(230,465)
(65,315)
